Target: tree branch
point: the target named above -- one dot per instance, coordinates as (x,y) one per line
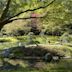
(28,18)
(42,7)
(11,20)
(5,20)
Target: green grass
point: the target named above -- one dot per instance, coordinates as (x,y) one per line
(8,39)
(41,39)
(13,41)
(62,66)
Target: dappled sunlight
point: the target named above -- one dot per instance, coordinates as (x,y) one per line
(35,35)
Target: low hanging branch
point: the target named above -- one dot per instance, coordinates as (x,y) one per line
(42,7)
(42,16)
(10,19)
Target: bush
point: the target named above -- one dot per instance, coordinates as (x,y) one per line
(16,32)
(54,31)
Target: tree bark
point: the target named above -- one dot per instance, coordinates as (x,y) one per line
(3,16)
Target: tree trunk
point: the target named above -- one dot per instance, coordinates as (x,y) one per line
(3,16)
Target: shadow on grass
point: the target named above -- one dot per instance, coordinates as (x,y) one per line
(62,66)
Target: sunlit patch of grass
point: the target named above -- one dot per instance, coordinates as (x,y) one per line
(7,45)
(45,39)
(14,41)
(41,39)
(8,39)
(22,38)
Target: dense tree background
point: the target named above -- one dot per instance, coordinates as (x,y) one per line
(57,16)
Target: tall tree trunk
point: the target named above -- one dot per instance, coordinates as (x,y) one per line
(3,16)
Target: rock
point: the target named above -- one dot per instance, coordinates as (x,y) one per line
(56,58)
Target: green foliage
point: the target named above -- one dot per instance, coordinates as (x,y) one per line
(16,28)
(17,6)
(57,21)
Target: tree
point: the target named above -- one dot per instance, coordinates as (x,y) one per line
(59,18)
(6,18)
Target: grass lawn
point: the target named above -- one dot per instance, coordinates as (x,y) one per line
(65,65)
(62,66)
